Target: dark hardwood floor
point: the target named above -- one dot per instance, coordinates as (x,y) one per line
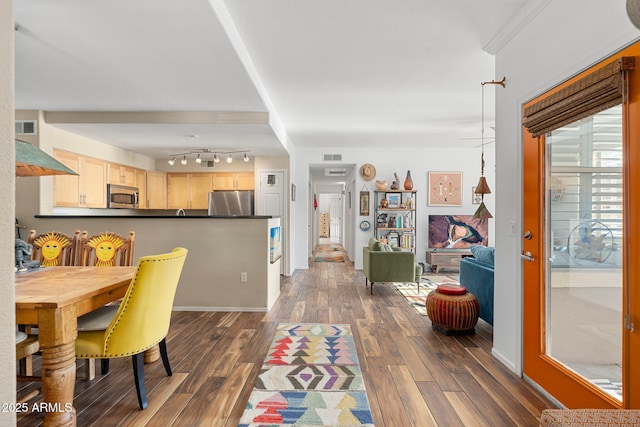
(414,376)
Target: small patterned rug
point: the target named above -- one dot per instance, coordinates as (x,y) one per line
(311,377)
(332,252)
(429,283)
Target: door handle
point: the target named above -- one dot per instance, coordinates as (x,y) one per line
(527,256)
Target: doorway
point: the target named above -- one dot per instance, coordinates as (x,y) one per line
(579,288)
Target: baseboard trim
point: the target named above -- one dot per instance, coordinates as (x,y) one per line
(504,360)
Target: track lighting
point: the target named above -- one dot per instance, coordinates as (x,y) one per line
(202,154)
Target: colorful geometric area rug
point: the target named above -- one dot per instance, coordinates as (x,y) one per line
(332,252)
(311,377)
(417,298)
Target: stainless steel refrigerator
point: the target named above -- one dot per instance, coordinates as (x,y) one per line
(231,203)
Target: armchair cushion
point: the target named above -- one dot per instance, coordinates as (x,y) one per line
(483,254)
(382,263)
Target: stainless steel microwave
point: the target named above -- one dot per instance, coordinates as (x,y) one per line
(120,196)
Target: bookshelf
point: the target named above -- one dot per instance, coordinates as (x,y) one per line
(395,218)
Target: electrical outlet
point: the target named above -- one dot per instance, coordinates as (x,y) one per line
(243,276)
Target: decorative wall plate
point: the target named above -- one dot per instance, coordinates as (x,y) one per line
(365,225)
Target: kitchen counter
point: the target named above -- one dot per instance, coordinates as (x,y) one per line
(230,265)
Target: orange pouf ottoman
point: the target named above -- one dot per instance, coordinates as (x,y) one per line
(453,310)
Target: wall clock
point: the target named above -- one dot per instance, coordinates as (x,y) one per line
(445,189)
(365,225)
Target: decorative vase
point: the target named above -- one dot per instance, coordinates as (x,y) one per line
(384,203)
(381,185)
(408,182)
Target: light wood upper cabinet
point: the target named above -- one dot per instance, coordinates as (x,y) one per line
(156,191)
(233,181)
(189,190)
(122,175)
(88,189)
(141,183)
(200,185)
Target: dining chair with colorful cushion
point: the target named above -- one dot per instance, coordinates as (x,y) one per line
(54,249)
(141,321)
(107,249)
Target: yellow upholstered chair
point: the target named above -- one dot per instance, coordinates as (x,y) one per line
(140,321)
(54,249)
(107,249)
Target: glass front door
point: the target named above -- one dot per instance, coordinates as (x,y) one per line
(580,252)
(584,235)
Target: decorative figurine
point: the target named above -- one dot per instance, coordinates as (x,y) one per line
(395,185)
(23,256)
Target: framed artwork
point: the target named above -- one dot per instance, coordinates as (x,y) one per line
(393,200)
(445,189)
(476,199)
(364,203)
(275,245)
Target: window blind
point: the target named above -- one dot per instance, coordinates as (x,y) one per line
(597,91)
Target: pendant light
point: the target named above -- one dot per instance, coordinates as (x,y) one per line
(483,187)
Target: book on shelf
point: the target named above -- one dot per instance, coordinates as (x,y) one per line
(393,239)
(407,240)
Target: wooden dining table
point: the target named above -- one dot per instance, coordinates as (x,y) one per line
(53,298)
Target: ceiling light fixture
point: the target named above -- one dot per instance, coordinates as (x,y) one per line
(483,188)
(202,154)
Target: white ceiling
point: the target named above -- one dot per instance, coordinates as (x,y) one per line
(329,73)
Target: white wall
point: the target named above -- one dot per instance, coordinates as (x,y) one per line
(441,155)
(7,204)
(562,40)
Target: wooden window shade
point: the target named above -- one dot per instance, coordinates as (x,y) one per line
(599,90)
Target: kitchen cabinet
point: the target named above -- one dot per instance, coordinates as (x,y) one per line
(233,181)
(121,175)
(189,190)
(141,183)
(156,191)
(88,189)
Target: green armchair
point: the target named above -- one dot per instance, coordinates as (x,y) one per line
(382,263)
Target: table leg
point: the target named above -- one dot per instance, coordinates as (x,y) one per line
(57,331)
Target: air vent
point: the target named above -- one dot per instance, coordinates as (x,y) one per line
(207,164)
(26,127)
(332,157)
(335,172)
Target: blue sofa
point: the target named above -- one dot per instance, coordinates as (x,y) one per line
(476,274)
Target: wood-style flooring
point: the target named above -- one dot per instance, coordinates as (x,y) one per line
(414,376)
